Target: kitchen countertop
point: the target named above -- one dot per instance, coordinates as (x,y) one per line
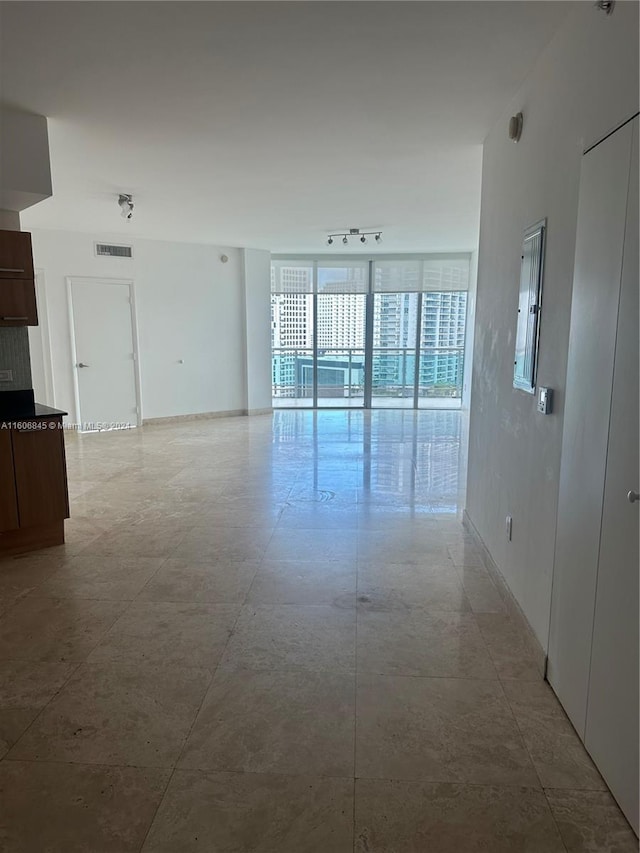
(29,412)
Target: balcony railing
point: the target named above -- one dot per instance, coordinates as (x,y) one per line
(341,372)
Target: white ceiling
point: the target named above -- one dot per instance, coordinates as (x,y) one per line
(269,124)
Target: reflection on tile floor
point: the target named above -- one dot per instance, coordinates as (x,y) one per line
(273,635)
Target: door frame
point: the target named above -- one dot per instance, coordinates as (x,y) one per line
(42,334)
(134,337)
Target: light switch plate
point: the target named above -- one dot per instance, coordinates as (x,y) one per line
(545,400)
(6,375)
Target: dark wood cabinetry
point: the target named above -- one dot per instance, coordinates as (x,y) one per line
(8,497)
(16,258)
(40,472)
(33,478)
(18,302)
(33,484)
(17,281)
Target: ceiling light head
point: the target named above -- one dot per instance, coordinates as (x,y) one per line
(356,233)
(605,6)
(125,201)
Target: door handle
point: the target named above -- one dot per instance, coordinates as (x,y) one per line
(81,364)
(632,497)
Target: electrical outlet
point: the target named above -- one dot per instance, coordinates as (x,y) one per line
(509,522)
(6,375)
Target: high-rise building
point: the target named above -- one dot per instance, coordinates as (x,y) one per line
(444,316)
(291,326)
(341,321)
(292,308)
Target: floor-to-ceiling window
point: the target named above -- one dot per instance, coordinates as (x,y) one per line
(292,332)
(385,332)
(396,308)
(340,332)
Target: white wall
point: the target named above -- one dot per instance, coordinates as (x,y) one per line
(584,85)
(189,306)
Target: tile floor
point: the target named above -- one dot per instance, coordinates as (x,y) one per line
(273,635)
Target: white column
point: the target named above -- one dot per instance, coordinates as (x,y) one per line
(257,307)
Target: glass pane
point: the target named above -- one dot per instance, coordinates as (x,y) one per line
(342,277)
(442,337)
(439,273)
(397,276)
(340,286)
(292,349)
(446,274)
(395,321)
(291,277)
(341,329)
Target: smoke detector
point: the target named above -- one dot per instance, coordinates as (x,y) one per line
(515,127)
(605,6)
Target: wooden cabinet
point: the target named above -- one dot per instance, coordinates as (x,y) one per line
(8,496)
(17,282)
(40,475)
(16,258)
(33,484)
(18,302)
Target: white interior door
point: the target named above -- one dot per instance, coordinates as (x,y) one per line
(105,358)
(602,208)
(612,711)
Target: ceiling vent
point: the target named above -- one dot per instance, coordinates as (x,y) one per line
(107,250)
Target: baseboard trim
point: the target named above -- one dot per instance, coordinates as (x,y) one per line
(199,416)
(267,411)
(513,608)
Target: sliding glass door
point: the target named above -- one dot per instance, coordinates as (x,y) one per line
(442,342)
(384,332)
(340,336)
(394,355)
(292,334)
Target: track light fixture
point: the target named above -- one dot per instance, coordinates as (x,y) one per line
(354,232)
(125,200)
